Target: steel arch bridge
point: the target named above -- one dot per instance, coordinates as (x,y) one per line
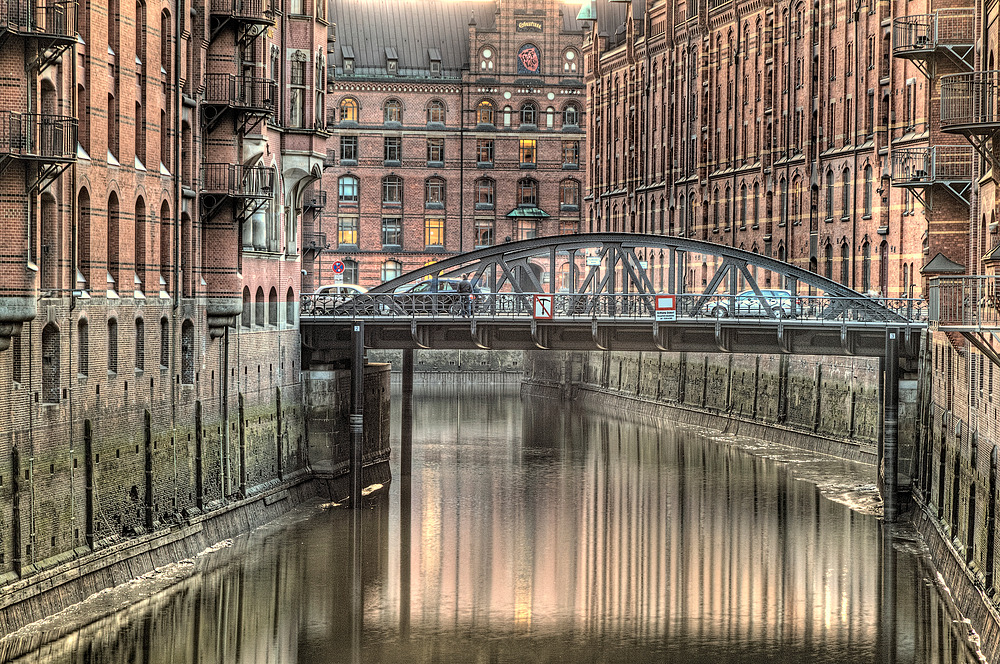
(599,292)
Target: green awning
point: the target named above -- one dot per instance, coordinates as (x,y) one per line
(532,212)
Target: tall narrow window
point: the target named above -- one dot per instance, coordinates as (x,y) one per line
(272,307)
(112,346)
(434,232)
(83,347)
(829,194)
(297,89)
(50,364)
(113,244)
(140,345)
(868,190)
(187,353)
(258,308)
(846,196)
(290,308)
(164,342)
(246,320)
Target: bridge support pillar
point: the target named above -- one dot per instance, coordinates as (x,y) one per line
(357,410)
(405,500)
(889,466)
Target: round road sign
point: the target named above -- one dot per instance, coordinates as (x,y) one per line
(338,267)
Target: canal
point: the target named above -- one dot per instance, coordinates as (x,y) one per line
(539,533)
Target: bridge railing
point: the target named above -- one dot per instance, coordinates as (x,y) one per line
(613,306)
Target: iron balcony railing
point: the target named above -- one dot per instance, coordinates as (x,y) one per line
(315,200)
(970,103)
(52,19)
(241,91)
(940,163)
(965,302)
(259,11)
(237,181)
(617,306)
(925,32)
(37,135)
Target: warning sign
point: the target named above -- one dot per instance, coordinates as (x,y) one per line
(666,307)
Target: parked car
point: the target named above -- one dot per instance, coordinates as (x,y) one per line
(440,296)
(748,304)
(331,296)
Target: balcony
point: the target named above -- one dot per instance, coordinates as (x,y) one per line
(47,141)
(314,200)
(969,305)
(969,103)
(251,187)
(947,32)
(253,98)
(49,26)
(251,17)
(949,166)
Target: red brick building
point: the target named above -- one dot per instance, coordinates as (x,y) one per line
(856,140)
(458,125)
(153,162)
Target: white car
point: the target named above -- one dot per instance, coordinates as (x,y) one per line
(333,295)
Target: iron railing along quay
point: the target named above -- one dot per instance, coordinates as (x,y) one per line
(37,135)
(238,181)
(241,91)
(29,18)
(969,301)
(970,103)
(932,164)
(616,306)
(924,32)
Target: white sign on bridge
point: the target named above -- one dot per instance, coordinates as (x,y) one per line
(543,306)
(666,307)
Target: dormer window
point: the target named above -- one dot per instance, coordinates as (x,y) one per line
(435,57)
(347,53)
(391,61)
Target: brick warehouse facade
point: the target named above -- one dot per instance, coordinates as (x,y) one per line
(841,137)
(459,125)
(153,163)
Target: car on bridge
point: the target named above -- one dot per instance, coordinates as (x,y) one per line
(331,296)
(440,296)
(748,304)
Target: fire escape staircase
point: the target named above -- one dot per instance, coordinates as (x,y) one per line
(969,305)
(970,106)
(247,188)
(925,38)
(946,166)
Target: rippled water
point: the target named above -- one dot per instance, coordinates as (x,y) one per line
(538,534)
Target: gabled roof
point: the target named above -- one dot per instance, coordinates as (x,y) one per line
(941,264)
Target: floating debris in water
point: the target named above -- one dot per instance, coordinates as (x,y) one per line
(370,489)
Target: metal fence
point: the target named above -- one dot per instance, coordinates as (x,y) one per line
(614,306)
(966,301)
(23,16)
(237,180)
(252,10)
(946,27)
(931,164)
(243,91)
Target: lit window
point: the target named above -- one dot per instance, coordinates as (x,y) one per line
(348,110)
(347,230)
(528,151)
(485,113)
(434,232)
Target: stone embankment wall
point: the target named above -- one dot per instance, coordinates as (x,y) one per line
(281,450)
(465,366)
(830,404)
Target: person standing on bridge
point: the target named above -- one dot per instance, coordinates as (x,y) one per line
(465,294)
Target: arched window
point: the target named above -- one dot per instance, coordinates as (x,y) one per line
(140,242)
(113,244)
(392,111)
(866,267)
(485,194)
(569,195)
(570,59)
(112,346)
(845,264)
(272,306)
(783,202)
(246,320)
(715,209)
(290,308)
(50,364)
(83,276)
(756,205)
(435,111)
(434,192)
(828,261)
(550,117)
(164,342)
(527,193)
(571,116)
(140,345)
(258,309)
(743,206)
(529,113)
(391,269)
(347,189)
(187,353)
(868,190)
(392,190)
(348,110)
(350,271)
(83,347)
(486,59)
(829,194)
(507,111)
(846,195)
(729,207)
(485,113)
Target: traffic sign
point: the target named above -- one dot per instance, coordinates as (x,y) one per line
(666,307)
(543,306)
(593,261)
(338,267)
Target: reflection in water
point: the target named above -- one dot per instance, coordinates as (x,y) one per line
(542,534)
